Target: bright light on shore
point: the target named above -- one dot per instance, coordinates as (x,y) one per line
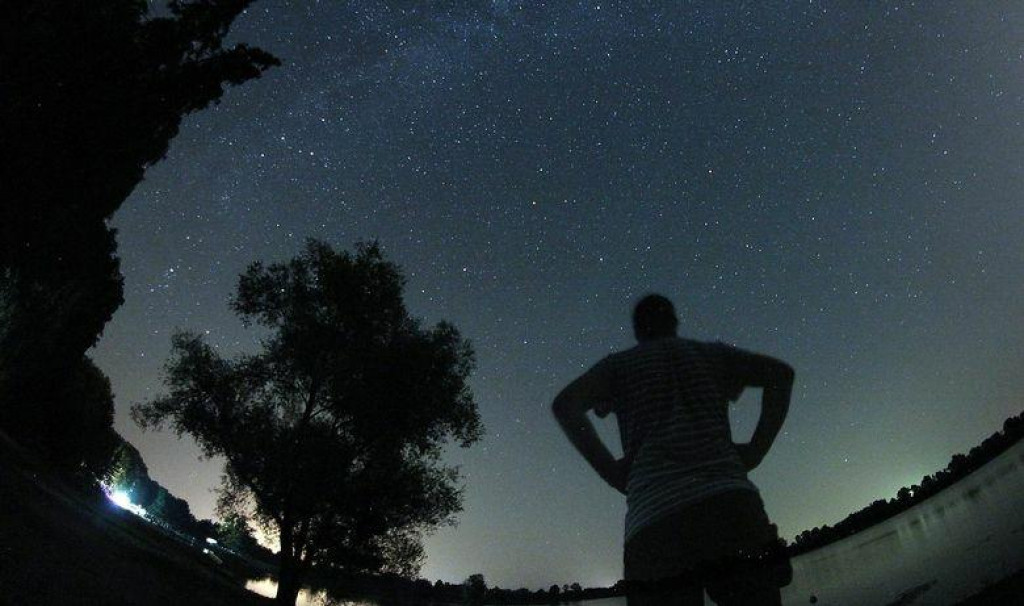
(121,499)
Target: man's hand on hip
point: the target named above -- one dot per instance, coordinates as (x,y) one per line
(617,475)
(750,455)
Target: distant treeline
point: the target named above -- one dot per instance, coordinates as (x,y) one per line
(475,591)
(959,467)
(393,589)
(128,474)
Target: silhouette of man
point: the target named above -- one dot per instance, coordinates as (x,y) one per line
(689,501)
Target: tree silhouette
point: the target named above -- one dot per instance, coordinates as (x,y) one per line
(475,589)
(234,533)
(332,433)
(91,95)
(83,438)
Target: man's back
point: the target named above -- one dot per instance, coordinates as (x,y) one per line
(690,502)
(671,396)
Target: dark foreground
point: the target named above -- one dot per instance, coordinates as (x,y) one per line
(57,547)
(1008,591)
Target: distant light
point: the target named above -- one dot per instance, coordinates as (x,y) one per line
(122,500)
(211,541)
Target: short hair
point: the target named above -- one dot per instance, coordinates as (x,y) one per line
(653,317)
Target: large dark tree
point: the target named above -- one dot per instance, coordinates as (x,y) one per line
(91,93)
(333,432)
(85,436)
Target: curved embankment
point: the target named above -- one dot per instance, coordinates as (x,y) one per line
(58,547)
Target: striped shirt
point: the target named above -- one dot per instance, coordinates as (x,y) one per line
(671,399)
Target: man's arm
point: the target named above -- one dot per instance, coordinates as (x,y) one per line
(775,377)
(570,408)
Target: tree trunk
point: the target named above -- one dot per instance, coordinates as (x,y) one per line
(289,581)
(289,576)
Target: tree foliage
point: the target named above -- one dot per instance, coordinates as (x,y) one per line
(475,589)
(82,436)
(91,94)
(234,533)
(333,432)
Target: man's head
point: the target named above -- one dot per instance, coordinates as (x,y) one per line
(654,317)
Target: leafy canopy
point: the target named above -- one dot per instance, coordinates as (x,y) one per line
(333,432)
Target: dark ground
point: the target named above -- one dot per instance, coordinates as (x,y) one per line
(1008,592)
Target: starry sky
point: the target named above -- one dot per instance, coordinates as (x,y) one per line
(835,184)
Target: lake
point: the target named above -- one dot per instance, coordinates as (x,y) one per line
(934,554)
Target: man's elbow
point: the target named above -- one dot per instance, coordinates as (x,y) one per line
(565,407)
(561,407)
(778,376)
(786,375)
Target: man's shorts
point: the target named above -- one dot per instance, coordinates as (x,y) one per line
(700,547)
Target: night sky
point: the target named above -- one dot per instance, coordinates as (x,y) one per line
(835,184)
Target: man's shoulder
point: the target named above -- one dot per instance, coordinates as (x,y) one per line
(647,349)
(620,356)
